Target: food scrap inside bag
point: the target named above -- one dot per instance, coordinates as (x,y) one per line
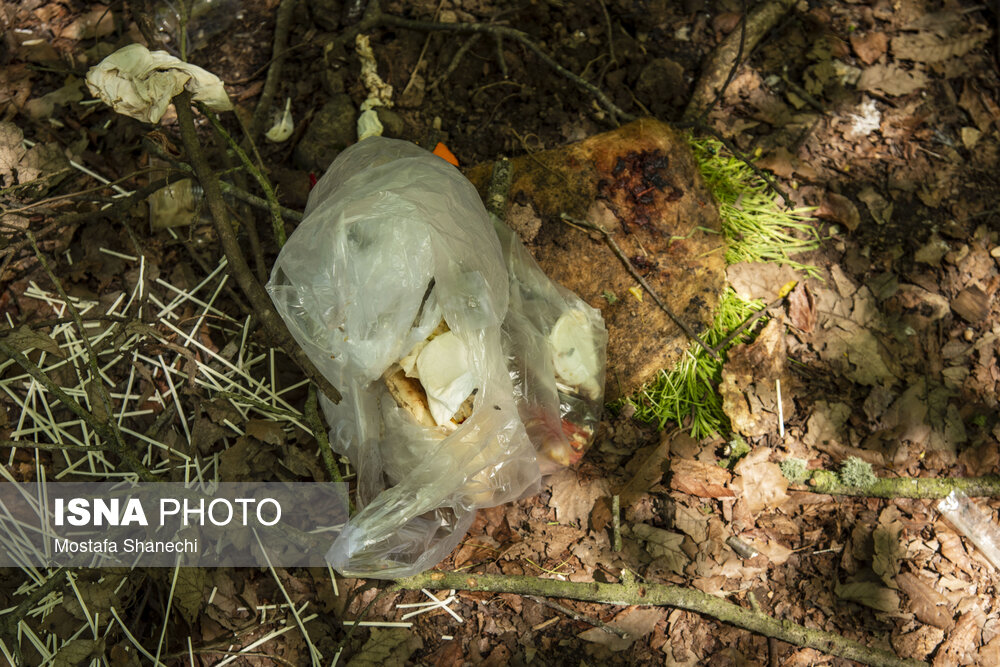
(466,373)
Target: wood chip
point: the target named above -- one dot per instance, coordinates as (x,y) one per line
(972,304)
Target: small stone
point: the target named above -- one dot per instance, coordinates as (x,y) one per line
(661,86)
(969,334)
(972,304)
(392,123)
(331,130)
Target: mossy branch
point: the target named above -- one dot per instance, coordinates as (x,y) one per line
(633,593)
(823,481)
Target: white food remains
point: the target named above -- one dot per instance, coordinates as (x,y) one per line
(445,372)
(574,354)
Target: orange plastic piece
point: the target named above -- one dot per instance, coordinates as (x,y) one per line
(442,152)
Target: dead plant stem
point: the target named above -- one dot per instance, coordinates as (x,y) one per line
(272,200)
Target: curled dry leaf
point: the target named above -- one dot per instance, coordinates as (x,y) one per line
(802,308)
(839,208)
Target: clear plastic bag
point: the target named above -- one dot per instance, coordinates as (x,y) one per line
(395,267)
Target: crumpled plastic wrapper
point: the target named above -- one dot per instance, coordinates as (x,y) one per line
(140,83)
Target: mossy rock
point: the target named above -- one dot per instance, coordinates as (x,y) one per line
(642,184)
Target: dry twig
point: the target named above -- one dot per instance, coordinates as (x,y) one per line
(642,281)
(259,300)
(632,593)
(727,56)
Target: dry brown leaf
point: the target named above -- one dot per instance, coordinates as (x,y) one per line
(760,482)
(869,594)
(749,387)
(802,308)
(98,22)
(773,550)
(889,551)
(700,479)
(648,472)
(826,422)
(989,653)
(891,79)
(972,304)
(926,603)
(971,101)
(573,499)
(919,644)
(691,521)
(879,207)
(927,47)
(711,585)
(870,46)
(839,208)
(759,280)
(952,548)
(662,544)
(960,646)
(637,622)
(786,165)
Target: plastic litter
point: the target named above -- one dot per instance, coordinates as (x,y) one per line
(466,372)
(974,523)
(140,83)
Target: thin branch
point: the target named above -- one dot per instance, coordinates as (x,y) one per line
(746,324)
(728,55)
(101,428)
(76,195)
(259,300)
(227,188)
(597,623)
(455,60)
(737,60)
(632,593)
(282,25)
(642,281)
(272,200)
(497,31)
(319,432)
